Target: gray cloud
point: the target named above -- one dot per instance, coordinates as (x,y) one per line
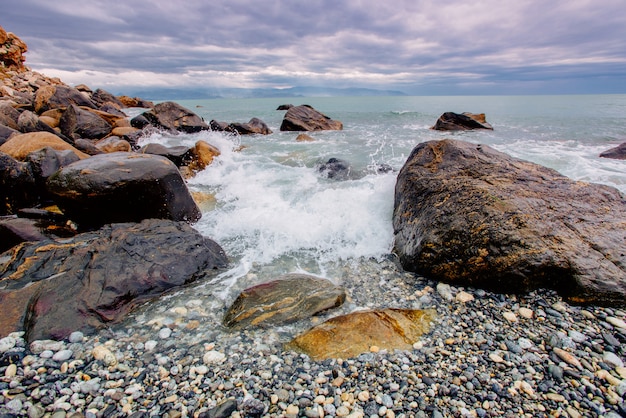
(422,47)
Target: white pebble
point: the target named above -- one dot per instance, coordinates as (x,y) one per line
(103,354)
(36,347)
(10,371)
(616,322)
(445,291)
(464,297)
(213,357)
(6,344)
(510,316)
(612,359)
(150,345)
(62,355)
(165,333)
(76,337)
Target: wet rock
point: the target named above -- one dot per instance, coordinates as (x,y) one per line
(30,122)
(51,289)
(18,187)
(79,123)
(306,118)
(255,126)
(16,230)
(467,214)
(179,155)
(618,152)
(287,299)
(451,121)
(122,187)
(174,117)
(353,334)
(284,107)
(304,138)
(202,154)
(335,169)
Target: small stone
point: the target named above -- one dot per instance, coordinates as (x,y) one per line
(292,410)
(14,406)
(150,345)
(6,344)
(363,396)
(605,375)
(555,397)
(103,354)
(525,313)
(374,349)
(76,337)
(567,357)
(495,358)
(464,297)
(165,333)
(621,371)
(445,291)
(62,355)
(343,411)
(10,371)
(510,316)
(616,322)
(612,359)
(213,357)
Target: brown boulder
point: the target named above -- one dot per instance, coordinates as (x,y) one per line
(451,121)
(113,144)
(202,154)
(349,335)
(470,215)
(305,118)
(87,282)
(60,96)
(255,126)
(287,299)
(12,50)
(135,102)
(101,97)
(122,187)
(19,146)
(304,138)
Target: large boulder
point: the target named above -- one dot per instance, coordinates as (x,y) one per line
(30,122)
(255,126)
(349,335)
(174,117)
(18,187)
(287,299)
(87,282)
(79,123)
(54,97)
(451,121)
(617,153)
(101,97)
(470,215)
(19,146)
(122,187)
(306,118)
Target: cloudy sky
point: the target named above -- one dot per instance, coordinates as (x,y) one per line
(417,46)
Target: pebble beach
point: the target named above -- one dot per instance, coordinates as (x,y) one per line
(486,355)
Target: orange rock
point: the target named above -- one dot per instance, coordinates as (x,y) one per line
(353,334)
(113,144)
(122,131)
(204,153)
(304,138)
(19,146)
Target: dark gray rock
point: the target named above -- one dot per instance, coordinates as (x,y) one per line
(451,121)
(50,289)
(618,152)
(122,187)
(335,169)
(79,123)
(174,117)
(470,215)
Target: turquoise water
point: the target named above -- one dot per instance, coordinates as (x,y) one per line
(275,213)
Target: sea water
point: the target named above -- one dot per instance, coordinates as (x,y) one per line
(276,213)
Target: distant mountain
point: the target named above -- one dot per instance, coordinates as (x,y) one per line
(208,93)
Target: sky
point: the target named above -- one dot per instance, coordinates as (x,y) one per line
(419,47)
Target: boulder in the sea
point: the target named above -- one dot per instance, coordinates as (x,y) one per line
(289,298)
(60,96)
(467,214)
(284,107)
(122,187)
(450,121)
(79,123)
(49,289)
(349,335)
(202,155)
(304,138)
(255,126)
(102,97)
(174,117)
(617,153)
(335,169)
(19,146)
(306,118)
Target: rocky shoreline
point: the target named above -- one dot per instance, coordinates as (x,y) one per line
(486,354)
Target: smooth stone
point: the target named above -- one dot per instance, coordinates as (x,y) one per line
(464,297)
(63,355)
(525,313)
(213,357)
(76,337)
(616,322)
(165,333)
(510,316)
(612,359)
(445,291)
(6,344)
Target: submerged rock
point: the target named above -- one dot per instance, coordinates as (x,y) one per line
(470,215)
(355,333)
(305,118)
(122,187)
(335,169)
(287,299)
(50,289)
(451,121)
